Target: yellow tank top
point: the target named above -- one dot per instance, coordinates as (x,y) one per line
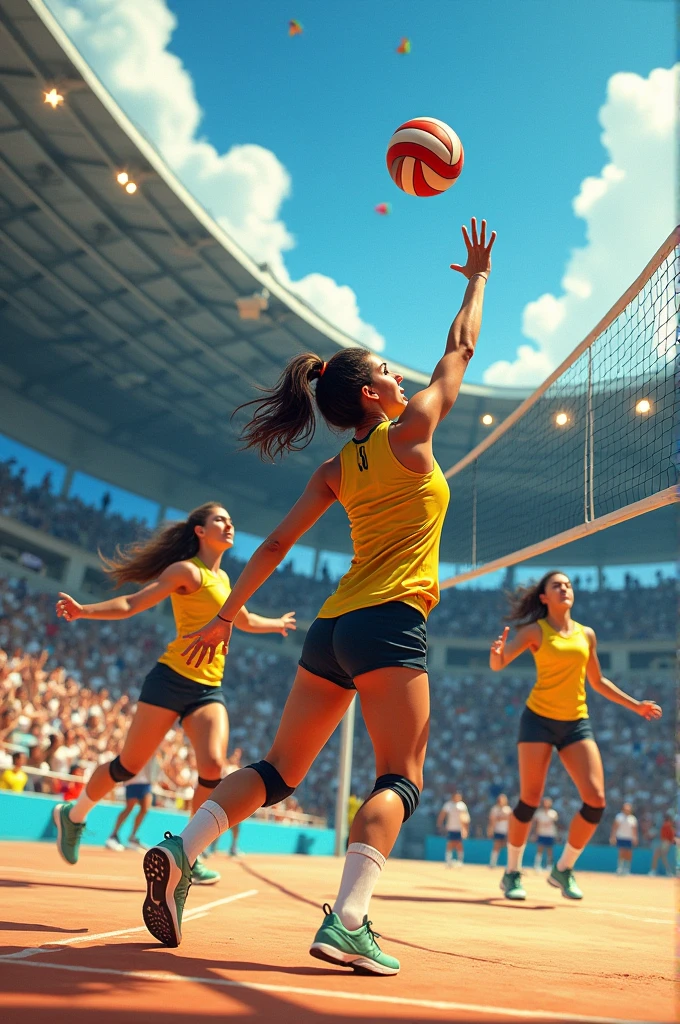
(396,518)
(560,688)
(192,611)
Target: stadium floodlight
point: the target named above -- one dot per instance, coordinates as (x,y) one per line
(122,177)
(643,407)
(130,188)
(561,419)
(54,98)
(487,419)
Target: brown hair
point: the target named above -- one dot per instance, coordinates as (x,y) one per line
(525,603)
(285,420)
(146,560)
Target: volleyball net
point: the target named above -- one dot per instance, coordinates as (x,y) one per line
(594,445)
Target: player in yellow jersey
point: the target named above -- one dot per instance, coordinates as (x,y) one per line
(183,562)
(556,715)
(370,635)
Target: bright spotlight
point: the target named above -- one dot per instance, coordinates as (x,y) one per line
(561,419)
(643,407)
(122,177)
(54,98)
(130,188)
(487,419)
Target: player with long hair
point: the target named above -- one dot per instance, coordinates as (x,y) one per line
(182,562)
(370,635)
(556,715)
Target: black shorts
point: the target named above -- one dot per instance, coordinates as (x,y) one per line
(165,688)
(392,635)
(535,728)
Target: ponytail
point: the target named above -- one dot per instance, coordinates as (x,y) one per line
(285,420)
(146,560)
(525,603)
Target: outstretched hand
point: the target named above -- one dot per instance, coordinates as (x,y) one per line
(207,641)
(287,622)
(478,251)
(68,608)
(498,649)
(648,709)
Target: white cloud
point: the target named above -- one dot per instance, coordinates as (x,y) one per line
(629,209)
(126,43)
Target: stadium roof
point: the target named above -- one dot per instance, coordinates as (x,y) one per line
(123,352)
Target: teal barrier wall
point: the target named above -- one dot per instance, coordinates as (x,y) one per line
(593,858)
(29,816)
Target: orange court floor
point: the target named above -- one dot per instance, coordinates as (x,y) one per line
(73,947)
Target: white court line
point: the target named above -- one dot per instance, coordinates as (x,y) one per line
(47,947)
(427,1004)
(66,874)
(628,917)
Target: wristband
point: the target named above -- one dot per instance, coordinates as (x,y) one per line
(223,618)
(480,274)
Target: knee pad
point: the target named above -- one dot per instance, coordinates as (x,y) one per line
(275,787)
(404,788)
(591,814)
(119,772)
(524,812)
(208,783)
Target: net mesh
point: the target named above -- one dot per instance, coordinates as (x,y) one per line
(540,478)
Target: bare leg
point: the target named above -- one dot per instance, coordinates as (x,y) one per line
(534,762)
(127,810)
(208,730)
(584,764)
(146,732)
(144,806)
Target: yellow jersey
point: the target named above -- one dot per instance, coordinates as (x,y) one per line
(396,518)
(560,688)
(192,611)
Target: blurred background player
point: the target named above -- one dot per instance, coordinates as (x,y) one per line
(497,829)
(137,794)
(624,835)
(545,828)
(664,845)
(454,818)
(556,715)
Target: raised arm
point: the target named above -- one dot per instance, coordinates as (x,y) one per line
(170,580)
(502,653)
(318,496)
(429,407)
(645,708)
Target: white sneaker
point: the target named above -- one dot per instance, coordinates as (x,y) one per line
(113,844)
(136,844)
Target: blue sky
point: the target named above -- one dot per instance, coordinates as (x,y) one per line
(520,82)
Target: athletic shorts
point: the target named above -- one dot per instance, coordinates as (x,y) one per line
(392,635)
(165,688)
(545,840)
(500,837)
(137,791)
(624,844)
(535,728)
(455,837)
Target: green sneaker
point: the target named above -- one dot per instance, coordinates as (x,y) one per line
(357,949)
(565,881)
(511,886)
(201,875)
(68,833)
(168,880)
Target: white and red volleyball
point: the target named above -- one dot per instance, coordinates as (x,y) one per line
(424,157)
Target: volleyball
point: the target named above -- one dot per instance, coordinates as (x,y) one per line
(424,157)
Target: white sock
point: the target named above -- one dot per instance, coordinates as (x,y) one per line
(81,808)
(515,854)
(363,865)
(207,825)
(448,856)
(569,857)
(494,858)
(537,862)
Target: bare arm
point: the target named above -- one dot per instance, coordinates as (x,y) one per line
(316,499)
(645,708)
(502,652)
(429,407)
(170,580)
(249,622)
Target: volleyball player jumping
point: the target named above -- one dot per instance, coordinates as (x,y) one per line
(556,715)
(183,561)
(370,635)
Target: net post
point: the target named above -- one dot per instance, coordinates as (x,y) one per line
(474,516)
(344,779)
